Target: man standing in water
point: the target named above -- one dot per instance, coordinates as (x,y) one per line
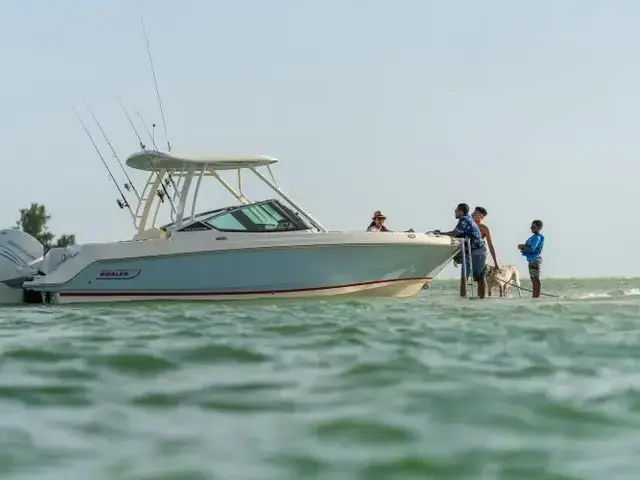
(478,216)
(467,229)
(532,250)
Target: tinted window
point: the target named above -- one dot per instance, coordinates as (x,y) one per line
(258,217)
(226,221)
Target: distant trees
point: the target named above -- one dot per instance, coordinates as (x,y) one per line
(33,220)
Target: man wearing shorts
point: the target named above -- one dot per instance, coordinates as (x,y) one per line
(478,216)
(532,250)
(468,229)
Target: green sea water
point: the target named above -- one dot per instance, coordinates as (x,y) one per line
(434,387)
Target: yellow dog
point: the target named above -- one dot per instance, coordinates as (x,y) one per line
(502,278)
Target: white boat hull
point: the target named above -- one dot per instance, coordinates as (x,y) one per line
(248,267)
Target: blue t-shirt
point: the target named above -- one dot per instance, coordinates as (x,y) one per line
(467,228)
(533,247)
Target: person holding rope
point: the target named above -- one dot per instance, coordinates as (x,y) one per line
(468,229)
(532,251)
(478,216)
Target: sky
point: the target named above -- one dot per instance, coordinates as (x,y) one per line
(530,109)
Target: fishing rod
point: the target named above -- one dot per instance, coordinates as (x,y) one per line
(158,97)
(152,137)
(149,132)
(161,193)
(126,185)
(164,121)
(121,203)
(155,80)
(142,145)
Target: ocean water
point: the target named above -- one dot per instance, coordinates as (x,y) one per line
(434,387)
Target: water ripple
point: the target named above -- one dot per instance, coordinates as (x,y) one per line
(433,387)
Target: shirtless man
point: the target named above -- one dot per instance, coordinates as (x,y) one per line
(478,216)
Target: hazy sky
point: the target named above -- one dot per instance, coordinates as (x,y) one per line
(530,109)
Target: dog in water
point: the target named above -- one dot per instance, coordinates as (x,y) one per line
(502,278)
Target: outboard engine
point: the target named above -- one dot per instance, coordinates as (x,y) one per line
(19,253)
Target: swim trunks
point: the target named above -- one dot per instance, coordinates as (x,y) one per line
(478,266)
(534,268)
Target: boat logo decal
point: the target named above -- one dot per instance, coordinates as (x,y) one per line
(411,235)
(117,274)
(196,227)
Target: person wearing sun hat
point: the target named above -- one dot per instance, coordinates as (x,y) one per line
(377,222)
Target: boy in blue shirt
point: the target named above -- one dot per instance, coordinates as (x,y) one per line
(532,250)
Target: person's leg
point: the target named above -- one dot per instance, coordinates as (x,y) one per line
(534,274)
(537,286)
(538,282)
(479,268)
(482,287)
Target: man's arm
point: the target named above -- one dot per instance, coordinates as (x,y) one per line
(492,250)
(456,232)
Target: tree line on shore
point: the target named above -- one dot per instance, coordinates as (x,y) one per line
(34,221)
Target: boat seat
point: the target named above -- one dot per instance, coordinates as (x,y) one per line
(150,234)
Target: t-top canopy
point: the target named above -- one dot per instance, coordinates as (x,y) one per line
(150,160)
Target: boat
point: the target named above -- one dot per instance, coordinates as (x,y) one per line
(266,249)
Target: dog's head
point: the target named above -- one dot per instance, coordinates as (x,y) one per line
(490,271)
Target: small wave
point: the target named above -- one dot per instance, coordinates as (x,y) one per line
(134,363)
(212,353)
(246,396)
(363,430)
(57,394)
(618,293)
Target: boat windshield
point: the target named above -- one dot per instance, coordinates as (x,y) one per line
(267,216)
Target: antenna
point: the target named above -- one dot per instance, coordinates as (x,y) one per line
(142,145)
(151,136)
(155,80)
(126,185)
(121,203)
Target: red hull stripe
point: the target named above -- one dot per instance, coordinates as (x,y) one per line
(248,292)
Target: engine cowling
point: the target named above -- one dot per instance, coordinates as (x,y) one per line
(19,255)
